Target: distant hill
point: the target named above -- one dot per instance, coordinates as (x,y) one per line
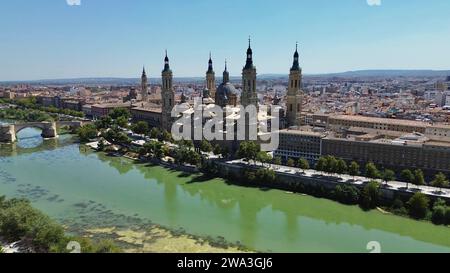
(389,73)
(134,81)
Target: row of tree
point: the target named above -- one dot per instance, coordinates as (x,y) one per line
(29,115)
(31,103)
(330,164)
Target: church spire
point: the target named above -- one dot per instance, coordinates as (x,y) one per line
(210,64)
(296,65)
(183,98)
(226,75)
(249,62)
(166,63)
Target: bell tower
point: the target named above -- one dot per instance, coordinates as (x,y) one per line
(295,94)
(211,78)
(249,96)
(167,95)
(144,86)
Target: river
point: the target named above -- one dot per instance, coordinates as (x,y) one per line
(84,190)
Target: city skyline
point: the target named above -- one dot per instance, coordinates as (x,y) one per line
(54,40)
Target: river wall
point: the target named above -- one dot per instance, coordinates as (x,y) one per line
(290,182)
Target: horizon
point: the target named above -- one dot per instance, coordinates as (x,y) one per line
(94,39)
(235,77)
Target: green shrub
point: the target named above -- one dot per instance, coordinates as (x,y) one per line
(346,194)
(370,195)
(438,216)
(447,216)
(418,205)
(398,207)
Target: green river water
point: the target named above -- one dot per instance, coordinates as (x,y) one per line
(83,189)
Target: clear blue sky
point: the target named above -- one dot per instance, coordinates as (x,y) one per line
(101,38)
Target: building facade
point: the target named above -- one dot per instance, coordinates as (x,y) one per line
(429,156)
(298,144)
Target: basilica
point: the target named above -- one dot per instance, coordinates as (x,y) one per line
(225,95)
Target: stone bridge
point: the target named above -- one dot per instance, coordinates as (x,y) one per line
(8,132)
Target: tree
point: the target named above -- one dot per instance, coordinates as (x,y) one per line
(263,157)
(321,164)
(388,175)
(353,169)
(370,195)
(166,136)
(87,132)
(103,122)
(115,135)
(140,128)
(225,151)
(154,148)
(155,133)
(248,150)
(346,194)
(101,145)
(120,112)
(372,171)
(407,176)
(165,150)
(217,150)
(331,166)
(122,122)
(194,158)
(341,166)
(438,215)
(418,205)
(277,160)
(447,215)
(439,211)
(419,178)
(206,147)
(290,162)
(303,164)
(440,181)
(265,176)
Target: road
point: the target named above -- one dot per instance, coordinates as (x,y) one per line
(357,180)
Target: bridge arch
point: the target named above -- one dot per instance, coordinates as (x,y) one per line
(48,128)
(21,127)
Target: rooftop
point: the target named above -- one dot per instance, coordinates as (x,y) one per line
(381,120)
(111,105)
(301,132)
